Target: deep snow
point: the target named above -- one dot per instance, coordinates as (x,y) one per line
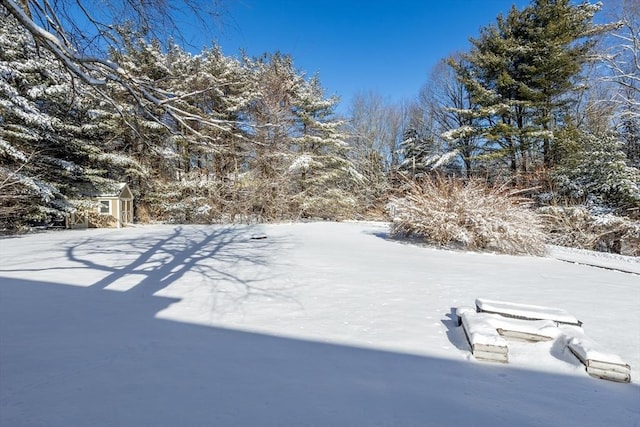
(318,324)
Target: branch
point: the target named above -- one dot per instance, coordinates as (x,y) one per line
(97,72)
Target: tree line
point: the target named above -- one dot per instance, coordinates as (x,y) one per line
(546,100)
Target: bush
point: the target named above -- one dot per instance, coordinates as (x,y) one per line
(594,168)
(577,227)
(447,212)
(97,220)
(246,198)
(334,204)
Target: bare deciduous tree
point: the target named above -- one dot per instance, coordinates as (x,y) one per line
(377,127)
(446,100)
(621,54)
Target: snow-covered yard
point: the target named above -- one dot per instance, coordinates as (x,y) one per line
(319,324)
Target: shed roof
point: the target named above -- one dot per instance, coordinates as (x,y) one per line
(115,190)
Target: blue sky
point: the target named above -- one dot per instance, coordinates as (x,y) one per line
(385,46)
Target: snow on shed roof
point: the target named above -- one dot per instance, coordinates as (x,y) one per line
(108,189)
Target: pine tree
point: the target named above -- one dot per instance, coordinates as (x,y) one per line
(594,169)
(522,71)
(50,144)
(321,170)
(417,153)
(630,136)
(492,74)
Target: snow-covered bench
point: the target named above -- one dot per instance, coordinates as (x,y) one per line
(526,311)
(483,338)
(598,362)
(512,325)
(487,325)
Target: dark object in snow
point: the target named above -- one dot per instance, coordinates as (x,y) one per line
(258,236)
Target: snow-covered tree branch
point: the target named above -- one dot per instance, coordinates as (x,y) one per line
(41,19)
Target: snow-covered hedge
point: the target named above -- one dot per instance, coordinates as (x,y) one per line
(447,212)
(246,199)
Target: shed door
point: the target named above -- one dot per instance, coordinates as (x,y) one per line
(126,211)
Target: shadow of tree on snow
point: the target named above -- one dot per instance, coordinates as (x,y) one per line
(227,259)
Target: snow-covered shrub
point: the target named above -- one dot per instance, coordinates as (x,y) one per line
(193,201)
(334,204)
(594,168)
(577,227)
(245,200)
(192,210)
(257,198)
(448,212)
(97,220)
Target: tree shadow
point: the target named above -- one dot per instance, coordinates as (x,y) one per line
(226,259)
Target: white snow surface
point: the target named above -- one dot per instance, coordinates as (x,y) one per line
(318,324)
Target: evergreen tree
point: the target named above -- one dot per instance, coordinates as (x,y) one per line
(50,135)
(630,136)
(453,114)
(323,176)
(594,169)
(493,77)
(78,39)
(522,71)
(417,153)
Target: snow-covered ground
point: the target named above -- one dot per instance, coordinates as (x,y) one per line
(319,324)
